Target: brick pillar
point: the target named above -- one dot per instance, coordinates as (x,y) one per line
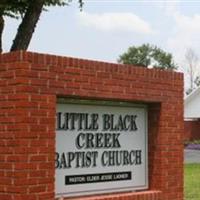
(166,149)
(27,138)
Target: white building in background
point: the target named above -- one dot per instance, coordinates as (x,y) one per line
(192,116)
(192,105)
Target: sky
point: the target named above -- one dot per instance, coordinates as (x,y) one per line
(104,29)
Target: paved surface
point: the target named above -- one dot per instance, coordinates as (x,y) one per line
(191,156)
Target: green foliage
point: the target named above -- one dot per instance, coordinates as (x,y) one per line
(55,3)
(29,11)
(61,3)
(148,55)
(17,8)
(13,8)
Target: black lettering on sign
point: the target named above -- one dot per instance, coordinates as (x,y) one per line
(97,140)
(119,123)
(79,121)
(121,158)
(77,159)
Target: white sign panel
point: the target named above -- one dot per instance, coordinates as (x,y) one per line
(100,149)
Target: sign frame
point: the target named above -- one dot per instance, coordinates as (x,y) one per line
(110,104)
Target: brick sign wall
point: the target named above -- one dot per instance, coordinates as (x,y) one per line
(31,84)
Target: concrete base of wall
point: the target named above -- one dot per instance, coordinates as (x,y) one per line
(150,195)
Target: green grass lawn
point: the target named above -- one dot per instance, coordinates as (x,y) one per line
(192,182)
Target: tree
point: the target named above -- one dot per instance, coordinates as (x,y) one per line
(192,61)
(29,11)
(148,55)
(10,8)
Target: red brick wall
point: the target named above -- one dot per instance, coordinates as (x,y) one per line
(192,130)
(30,83)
